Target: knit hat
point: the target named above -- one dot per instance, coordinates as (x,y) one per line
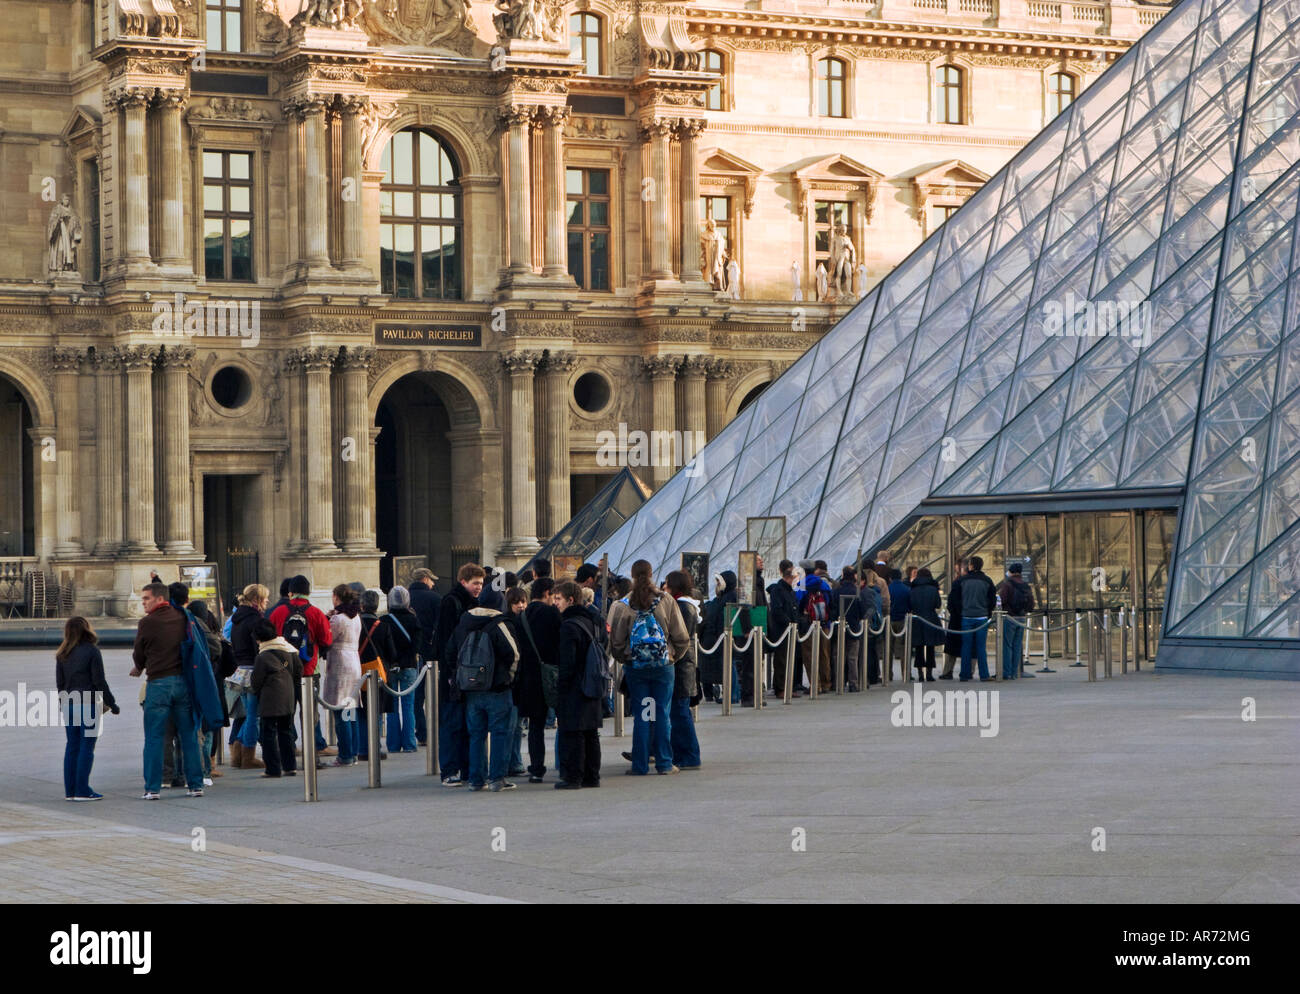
(399,598)
(807,565)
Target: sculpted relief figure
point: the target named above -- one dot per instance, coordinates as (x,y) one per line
(338,14)
(63,233)
(530,20)
(714,256)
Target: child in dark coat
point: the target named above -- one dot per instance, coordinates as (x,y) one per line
(277,670)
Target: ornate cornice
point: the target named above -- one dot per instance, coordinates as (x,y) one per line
(518,363)
(657,366)
(176,357)
(135,357)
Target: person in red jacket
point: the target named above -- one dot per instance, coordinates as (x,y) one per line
(302,624)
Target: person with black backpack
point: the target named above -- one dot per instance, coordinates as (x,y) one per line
(453,736)
(1017,601)
(304,626)
(579,715)
(483,652)
(685,743)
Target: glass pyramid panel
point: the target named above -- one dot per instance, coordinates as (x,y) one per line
(996,359)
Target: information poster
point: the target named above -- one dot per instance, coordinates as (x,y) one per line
(697,565)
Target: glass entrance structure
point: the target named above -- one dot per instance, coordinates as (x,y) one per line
(1111,321)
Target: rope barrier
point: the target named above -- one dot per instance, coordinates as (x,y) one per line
(852,632)
(806,635)
(424,670)
(715,645)
(748,642)
(346,704)
(951,631)
(875,631)
(900,633)
(777,644)
(1030,628)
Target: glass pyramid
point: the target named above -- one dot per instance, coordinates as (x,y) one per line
(1158,212)
(599,518)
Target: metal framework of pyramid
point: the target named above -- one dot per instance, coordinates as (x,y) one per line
(1172,181)
(600,517)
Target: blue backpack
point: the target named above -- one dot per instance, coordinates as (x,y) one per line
(647,645)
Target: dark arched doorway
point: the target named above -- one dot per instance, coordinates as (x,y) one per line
(751,397)
(17,473)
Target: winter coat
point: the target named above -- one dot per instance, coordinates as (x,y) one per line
(978,597)
(853,613)
(404,649)
(343,669)
(83,672)
(242,642)
(622,616)
(426,604)
(684,682)
(453,607)
(277,671)
(375,643)
(543,623)
(1005,592)
(573,711)
(782,608)
(318,627)
(900,600)
(712,622)
(952,641)
(925,599)
(505,646)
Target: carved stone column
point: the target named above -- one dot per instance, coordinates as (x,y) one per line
(521,540)
(358,530)
(657,134)
(556,262)
(177,489)
(138,362)
(662,371)
(108,453)
(316,364)
(694,405)
(172,216)
(720,371)
(353,108)
(517,120)
(555,464)
(315,184)
(689,134)
(135,172)
(67,443)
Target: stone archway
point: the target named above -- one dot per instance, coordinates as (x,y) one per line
(19,464)
(437,468)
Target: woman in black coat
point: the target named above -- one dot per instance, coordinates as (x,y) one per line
(79,673)
(713,620)
(952,641)
(578,717)
(925,608)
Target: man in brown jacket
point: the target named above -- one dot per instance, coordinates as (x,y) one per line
(157,653)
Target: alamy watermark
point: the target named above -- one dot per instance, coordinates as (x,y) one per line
(919,708)
(1074,318)
(240,319)
(672,449)
(52,708)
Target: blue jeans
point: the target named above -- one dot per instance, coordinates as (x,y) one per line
(974,643)
(453,737)
(363,732)
(402,730)
(79,754)
(516,740)
(686,746)
(488,711)
(735,682)
(205,752)
(168,697)
(345,731)
(1013,643)
(657,684)
(250,731)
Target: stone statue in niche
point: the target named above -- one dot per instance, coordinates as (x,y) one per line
(714,263)
(862,279)
(530,20)
(733,279)
(339,14)
(843,255)
(63,232)
(796,281)
(821,282)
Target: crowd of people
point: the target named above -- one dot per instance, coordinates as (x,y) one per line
(514,656)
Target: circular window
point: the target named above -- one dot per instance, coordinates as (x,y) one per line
(231,387)
(591,392)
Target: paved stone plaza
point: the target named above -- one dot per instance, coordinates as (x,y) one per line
(1197,806)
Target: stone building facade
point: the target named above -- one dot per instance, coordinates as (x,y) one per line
(372,279)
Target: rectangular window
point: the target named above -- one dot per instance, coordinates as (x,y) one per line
(223,24)
(718,208)
(228,216)
(589,227)
(940,213)
(90,242)
(827,214)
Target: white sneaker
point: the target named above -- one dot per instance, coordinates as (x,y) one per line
(149,795)
(207,781)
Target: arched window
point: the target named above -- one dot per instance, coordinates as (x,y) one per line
(1060,92)
(948,98)
(831,74)
(713,62)
(584,42)
(421,231)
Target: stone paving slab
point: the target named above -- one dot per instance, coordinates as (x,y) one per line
(1197,806)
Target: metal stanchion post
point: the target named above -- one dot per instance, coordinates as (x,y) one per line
(1092,647)
(727,649)
(1047,648)
(372,728)
(757,648)
(907,644)
(814,655)
(840,627)
(1024,655)
(1105,628)
(1078,638)
(1000,637)
(695,645)
(430,720)
(618,699)
(791,655)
(1123,640)
(309,739)
(887,657)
